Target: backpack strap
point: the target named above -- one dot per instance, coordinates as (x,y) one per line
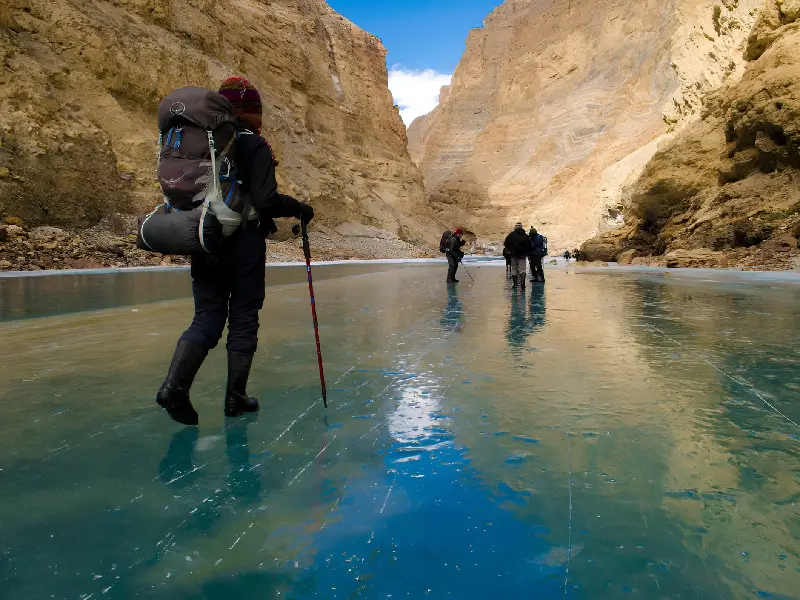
(228,147)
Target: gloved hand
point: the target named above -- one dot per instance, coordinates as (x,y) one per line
(304,212)
(266,225)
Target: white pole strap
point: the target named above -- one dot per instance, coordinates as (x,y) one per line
(141,231)
(214,183)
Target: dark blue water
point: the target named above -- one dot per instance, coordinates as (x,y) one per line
(609,436)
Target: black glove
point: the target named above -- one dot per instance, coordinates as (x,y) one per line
(266,225)
(304,212)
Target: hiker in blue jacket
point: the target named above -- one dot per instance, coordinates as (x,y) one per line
(537,254)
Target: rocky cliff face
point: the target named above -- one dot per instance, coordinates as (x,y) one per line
(556,105)
(80,81)
(726,190)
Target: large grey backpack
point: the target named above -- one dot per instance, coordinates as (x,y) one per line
(196,171)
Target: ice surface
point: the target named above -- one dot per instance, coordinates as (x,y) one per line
(612,434)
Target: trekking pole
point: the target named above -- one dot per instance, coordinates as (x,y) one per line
(307,253)
(467,272)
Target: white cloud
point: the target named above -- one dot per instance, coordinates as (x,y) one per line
(416,92)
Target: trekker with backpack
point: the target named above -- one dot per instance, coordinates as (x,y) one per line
(518,245)
(537,254)
(454,254)
(229,285)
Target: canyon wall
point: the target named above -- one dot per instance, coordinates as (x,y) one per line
(81,79)
(726,191)
(557,105)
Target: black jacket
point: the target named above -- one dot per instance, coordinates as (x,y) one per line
(256,165)
(537,245)
(454,247)
(518,243)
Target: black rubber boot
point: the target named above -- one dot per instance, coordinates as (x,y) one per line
(514,279)
(237,402)
(522,281)
(173,395)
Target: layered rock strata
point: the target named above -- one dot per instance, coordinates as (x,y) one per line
(556,105)
(726,191)
(80,81)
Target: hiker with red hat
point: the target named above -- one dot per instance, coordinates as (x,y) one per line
(454,254)
(229,286)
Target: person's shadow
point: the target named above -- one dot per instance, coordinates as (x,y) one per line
(453,313)
(178,467)
(243,481)
(537,309)
(526,317)
(517,331)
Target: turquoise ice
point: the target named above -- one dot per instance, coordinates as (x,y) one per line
(610,434)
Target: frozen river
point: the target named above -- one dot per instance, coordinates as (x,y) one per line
(610,435)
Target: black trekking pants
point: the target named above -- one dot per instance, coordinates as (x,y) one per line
(537,270)
(452,267)
(230,289)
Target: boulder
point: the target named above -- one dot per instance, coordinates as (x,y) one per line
(593,251)
(12,220)
(696,258)
(784,243)
(626,258)
(84,263)
(111,249)
(47,234)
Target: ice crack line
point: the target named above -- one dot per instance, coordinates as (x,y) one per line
(389,493)
(731,377)
(569,518)
(311,462)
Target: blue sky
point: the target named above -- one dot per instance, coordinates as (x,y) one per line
(425,40)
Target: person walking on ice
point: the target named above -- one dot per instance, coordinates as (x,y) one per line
(518,245)
(454,253)
(229,286)
(537,254)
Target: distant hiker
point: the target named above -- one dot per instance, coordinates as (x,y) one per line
(229,286)
(507,256)
(576,254)
(454,253)
(518,245)
(537,254)
(567,255)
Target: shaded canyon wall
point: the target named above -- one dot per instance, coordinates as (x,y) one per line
(81,79)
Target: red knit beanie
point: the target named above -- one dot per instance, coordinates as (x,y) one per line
(244,98)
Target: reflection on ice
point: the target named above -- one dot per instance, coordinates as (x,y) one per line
(596,437)
(415,417)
